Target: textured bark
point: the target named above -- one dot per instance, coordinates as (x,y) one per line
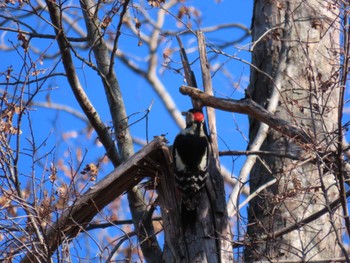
(208,241)
(303,36)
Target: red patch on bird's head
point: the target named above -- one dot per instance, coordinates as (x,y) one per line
(198,116)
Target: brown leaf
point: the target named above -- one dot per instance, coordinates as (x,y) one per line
(53,175)
(105,22)
(155,3)
(92,170)
(137,24)
(167,53)
(25,42)
(182,11)
(62,193)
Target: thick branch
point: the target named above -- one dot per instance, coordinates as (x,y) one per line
(251,108)
(76,87)
(208,88)
(76,217)
(109,80)
(138,206)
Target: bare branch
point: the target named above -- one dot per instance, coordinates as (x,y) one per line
(116,39)
(189,75)
(251,108)
(61,107)
(137,204)
(152,77)
(261,153)
(41,36)
(92,226)
(215,28)
(77,89)
(340,159)
(208,88)
(122,179)
(252,195)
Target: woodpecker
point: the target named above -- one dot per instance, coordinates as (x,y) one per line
(190,157)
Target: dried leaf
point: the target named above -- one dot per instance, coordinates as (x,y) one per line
(25,42)
(182,11)
(92,170)
(156,3)
(38,71)
(79,154)
(53,175)
(167,53)
(62,193)
(137,24)
(105,22)
(62,190)
(279,5)
(69,135)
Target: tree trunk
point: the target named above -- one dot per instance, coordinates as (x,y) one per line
(296,59)
(209,240)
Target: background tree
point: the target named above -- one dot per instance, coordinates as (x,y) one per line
(303,83)
(63,182)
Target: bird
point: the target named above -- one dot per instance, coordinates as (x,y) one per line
(191,151)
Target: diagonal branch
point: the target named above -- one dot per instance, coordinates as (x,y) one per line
(251,108)
(76,218)
(79,93)
(137,202)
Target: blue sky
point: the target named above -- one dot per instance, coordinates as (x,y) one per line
(137,93)
(51,126)
(58,133)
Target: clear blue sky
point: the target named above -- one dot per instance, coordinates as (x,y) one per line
(137,93)
(52,125)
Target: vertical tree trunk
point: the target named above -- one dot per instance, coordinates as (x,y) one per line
(209,240)
(296,44)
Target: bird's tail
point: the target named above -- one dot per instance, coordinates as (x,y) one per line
(189,206)
(188,216)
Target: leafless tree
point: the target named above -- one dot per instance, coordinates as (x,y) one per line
(296,160)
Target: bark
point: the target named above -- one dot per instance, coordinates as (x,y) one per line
(303,37)
(209,239)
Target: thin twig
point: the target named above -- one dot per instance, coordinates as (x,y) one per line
(340,159)
(115,43)
(261,153)
(254,194)
(115,223)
